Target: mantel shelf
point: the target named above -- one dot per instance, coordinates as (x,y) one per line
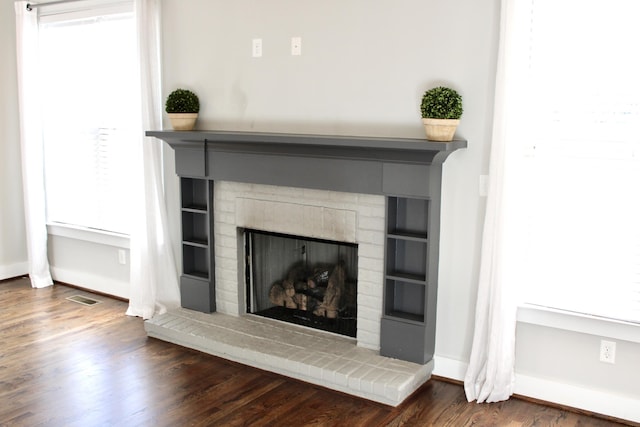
(357,164)
(403,150)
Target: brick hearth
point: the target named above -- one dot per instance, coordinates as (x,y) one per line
(320,358)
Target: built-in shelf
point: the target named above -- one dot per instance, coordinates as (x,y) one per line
(195,209)
(407,302)
(197,252)
(409,278)
(406,235)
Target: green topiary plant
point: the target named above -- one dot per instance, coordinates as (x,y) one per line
(441,103)
(182,101)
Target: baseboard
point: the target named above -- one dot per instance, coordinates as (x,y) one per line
(449,368)
(600,402)
(91,282)
(582,398)
(14,270)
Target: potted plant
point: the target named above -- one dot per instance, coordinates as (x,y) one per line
(441,109)
(182,106)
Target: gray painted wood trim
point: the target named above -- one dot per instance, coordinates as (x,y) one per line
(265,139)
(373,165)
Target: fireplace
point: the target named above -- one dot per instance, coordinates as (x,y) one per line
(350,224)
(301,280)
(379,197)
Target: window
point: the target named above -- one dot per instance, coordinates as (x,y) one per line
(581,141)
(90,115)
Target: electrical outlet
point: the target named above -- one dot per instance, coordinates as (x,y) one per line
(296,46)
(122,256)
(256,48)
(483,185)
(608,351)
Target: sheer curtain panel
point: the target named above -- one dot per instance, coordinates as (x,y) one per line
(154,278)
(490,375)
(31,145)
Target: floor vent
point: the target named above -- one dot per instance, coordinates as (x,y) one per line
(83,300)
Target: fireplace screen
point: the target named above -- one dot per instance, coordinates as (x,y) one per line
(300,280)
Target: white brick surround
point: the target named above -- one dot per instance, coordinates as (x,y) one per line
(348,217)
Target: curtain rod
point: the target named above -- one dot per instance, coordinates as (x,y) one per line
(31,6)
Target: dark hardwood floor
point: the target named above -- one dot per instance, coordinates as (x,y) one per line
(65,364)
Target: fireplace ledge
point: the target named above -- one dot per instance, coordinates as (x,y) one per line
(323,359)
(371,165)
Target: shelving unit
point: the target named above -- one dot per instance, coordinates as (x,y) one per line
(408,291)
(197,291)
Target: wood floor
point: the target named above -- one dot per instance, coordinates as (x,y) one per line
(65,364)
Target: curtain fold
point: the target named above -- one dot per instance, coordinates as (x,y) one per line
(154,279)
(490,375)
(31,146)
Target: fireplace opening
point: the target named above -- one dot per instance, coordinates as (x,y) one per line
(306,281)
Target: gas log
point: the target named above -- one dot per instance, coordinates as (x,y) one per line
(322,291)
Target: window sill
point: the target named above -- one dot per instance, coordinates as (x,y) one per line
(577,322)
(89,235)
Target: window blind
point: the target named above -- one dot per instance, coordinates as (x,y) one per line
(583,162)
(90,118)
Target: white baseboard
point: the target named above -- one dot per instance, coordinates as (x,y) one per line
(14,270)
(597,401)
(601,402)
(449,368)
(91,282)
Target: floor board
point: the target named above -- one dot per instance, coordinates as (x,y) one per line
(66,364)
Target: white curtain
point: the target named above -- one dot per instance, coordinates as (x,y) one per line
(31,145)
(154,280)
(490,375)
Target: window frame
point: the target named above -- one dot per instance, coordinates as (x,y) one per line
(539,314)
(72,11)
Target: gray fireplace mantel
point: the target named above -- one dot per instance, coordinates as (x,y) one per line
(408,172)
(373,165)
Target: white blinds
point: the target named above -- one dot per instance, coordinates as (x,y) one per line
(583,156)
(90,115)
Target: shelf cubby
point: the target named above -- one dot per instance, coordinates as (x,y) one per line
(405,300)
(194,194)
(407,258)
(195,228)
(195,261)
(407,217)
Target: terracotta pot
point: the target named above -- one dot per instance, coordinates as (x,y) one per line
(183,121)
(441,130)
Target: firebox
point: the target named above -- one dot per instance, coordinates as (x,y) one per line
(305,281)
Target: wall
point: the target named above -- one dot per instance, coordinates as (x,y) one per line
(363,69)
(13,250)
(89,264)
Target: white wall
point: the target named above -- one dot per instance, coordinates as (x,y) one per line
(13,250)
(363,69)
(91,265)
